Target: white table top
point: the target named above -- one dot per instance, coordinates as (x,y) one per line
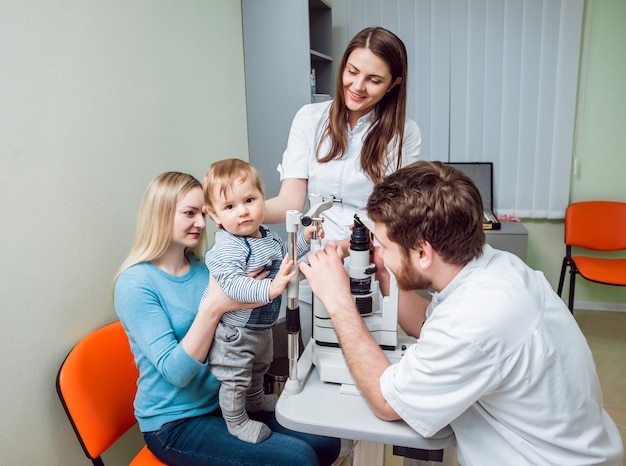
(320,408)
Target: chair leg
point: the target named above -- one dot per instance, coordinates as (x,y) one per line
(562,277)
(572,283)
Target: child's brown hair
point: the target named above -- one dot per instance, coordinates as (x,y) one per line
(221,175)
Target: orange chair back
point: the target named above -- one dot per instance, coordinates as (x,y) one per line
(97,383)
(596,225)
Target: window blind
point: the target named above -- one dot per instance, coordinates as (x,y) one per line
(490,81)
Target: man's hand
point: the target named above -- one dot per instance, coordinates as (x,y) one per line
(326,275)
(331,284)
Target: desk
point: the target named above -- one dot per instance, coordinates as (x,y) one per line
(321,409)
(512,237)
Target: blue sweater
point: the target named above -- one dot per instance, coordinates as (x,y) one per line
(156,310)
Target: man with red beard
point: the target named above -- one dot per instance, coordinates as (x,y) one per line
(499,358)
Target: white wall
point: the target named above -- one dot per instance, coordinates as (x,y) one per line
(96,98)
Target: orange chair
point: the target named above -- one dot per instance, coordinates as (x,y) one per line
(596,226)
(96,384)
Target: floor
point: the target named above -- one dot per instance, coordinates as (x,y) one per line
(606,334)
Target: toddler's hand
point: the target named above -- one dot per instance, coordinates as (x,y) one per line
(310,230)
(283,276)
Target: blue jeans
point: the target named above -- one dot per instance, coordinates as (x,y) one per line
(205,441)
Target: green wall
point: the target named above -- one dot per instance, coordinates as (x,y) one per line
(600,149)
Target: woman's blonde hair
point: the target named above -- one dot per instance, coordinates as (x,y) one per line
(156,218)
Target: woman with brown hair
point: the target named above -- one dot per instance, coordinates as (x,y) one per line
(344,146)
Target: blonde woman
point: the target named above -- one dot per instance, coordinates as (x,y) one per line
(156,295)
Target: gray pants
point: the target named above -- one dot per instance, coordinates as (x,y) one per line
(239,358)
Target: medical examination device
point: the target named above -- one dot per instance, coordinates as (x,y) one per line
(379,313)
(293,221)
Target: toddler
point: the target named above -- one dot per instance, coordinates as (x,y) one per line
(242,348)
